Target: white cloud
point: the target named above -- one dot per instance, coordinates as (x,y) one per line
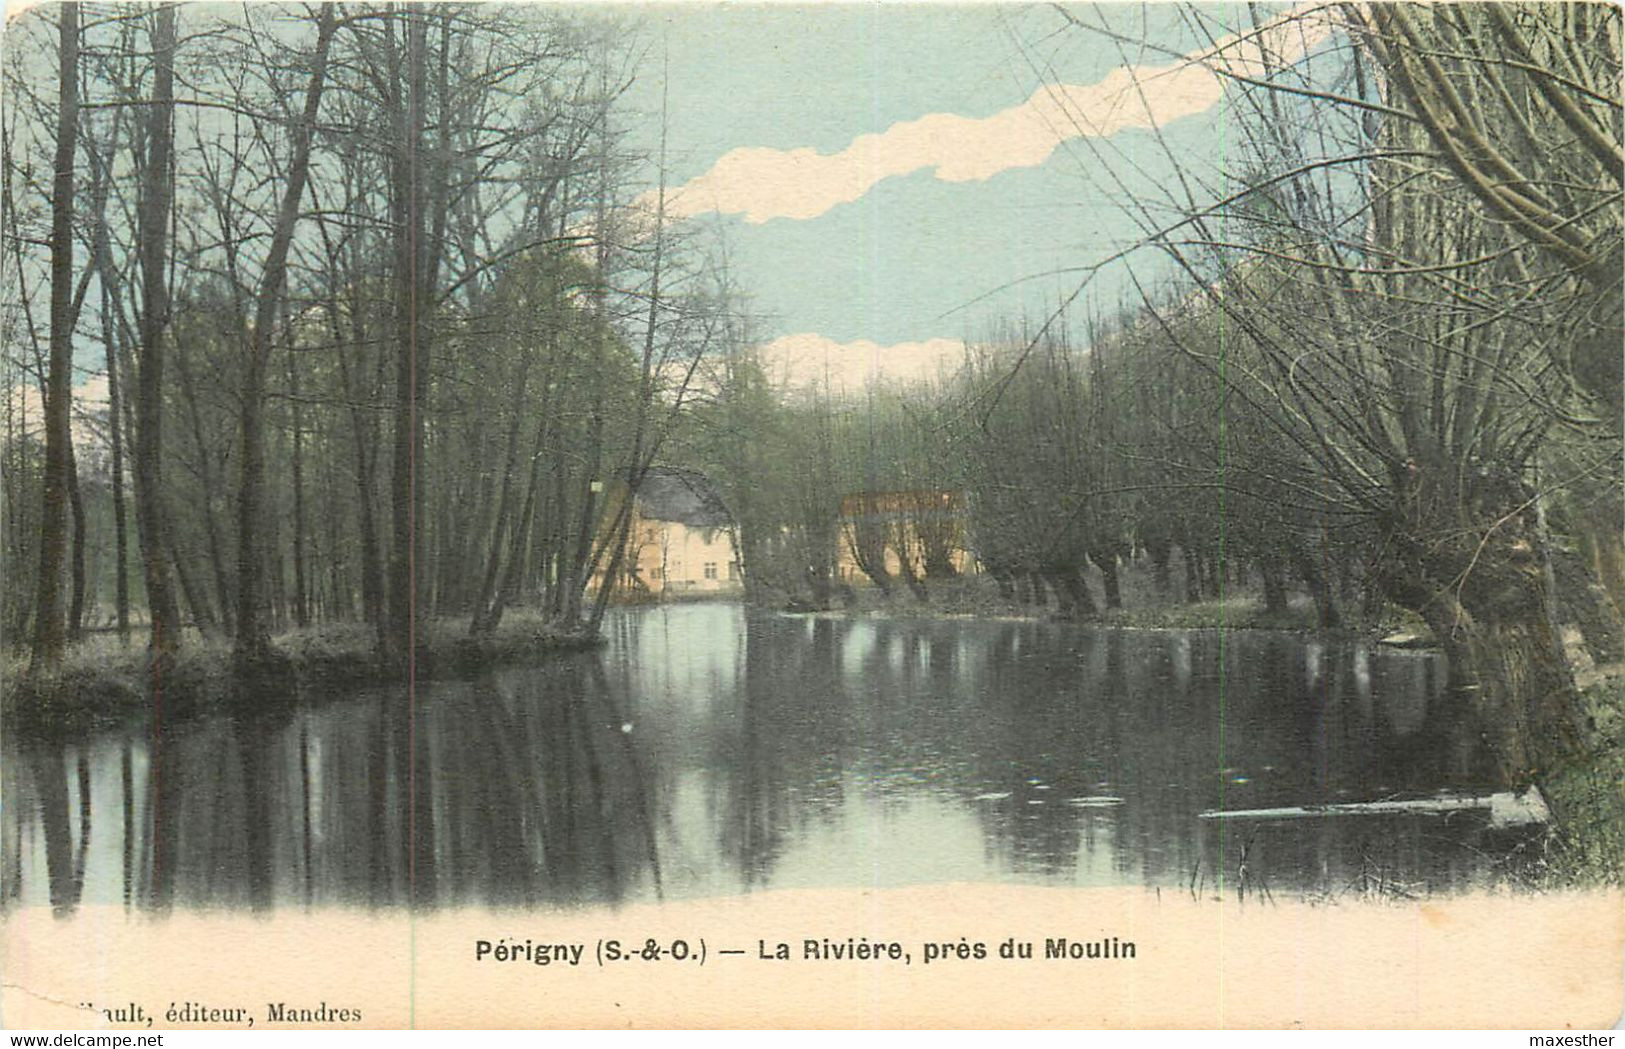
(765,184)
(808,360)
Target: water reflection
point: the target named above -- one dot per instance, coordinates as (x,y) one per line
(709,750)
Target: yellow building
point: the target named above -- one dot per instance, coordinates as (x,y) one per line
(682,542)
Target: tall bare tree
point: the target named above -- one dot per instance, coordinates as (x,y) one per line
(49,631)
(253,636)
(153,243)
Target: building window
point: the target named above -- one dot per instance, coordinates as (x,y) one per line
(710,569)
(733,571)
(654,573)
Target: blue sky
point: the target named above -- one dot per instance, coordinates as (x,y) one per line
(891,179)
(912,256)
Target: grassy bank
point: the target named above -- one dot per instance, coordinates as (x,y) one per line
(104,682)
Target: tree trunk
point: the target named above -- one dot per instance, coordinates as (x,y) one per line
(867,542)
(336,604)
(1483,595)
(905,568)
(115,434)
(585,528)
(156,192)
(1064,596)
(205,508)
(301,589)
(1160,550)
(364,434)
(1327,615)
(638,462)
(1106,561)
(1077,587)
(48,624)
(1275,603)
(488,617)
(500,519)
(253,639)
(1193,575)
(1509,672)
(412,358)
(76,600)
(196,598)
(937,540)
(818,585)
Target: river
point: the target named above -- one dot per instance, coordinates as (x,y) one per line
(708,749)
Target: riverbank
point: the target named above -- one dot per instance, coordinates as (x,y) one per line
(103,682)
(972,597)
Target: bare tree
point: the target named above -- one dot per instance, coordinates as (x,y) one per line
(253,637)
(48,616)
(153,210)
(1405,331)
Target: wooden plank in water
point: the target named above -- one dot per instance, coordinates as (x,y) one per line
(1506,808)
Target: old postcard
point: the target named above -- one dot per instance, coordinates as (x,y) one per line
(691,515)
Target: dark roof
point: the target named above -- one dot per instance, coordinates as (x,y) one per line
(684,496)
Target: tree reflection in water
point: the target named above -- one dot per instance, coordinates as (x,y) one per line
(710,750)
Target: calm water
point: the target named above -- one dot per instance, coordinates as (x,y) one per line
(711,750)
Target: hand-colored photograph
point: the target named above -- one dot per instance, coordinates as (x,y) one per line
(731,515)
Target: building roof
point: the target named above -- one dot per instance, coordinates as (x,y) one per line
(684,496)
